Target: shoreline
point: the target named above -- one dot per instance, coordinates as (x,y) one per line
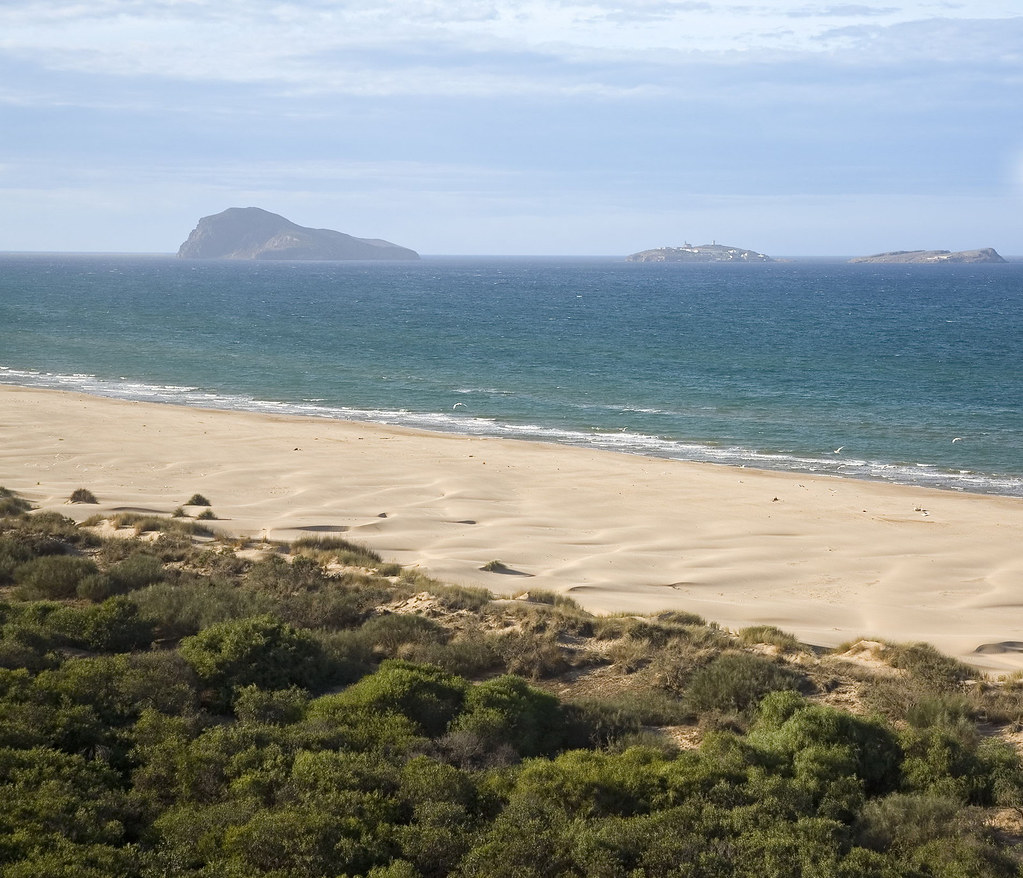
(826,558)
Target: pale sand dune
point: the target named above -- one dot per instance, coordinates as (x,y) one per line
(829,559)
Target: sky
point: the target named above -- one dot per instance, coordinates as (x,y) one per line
(563,127)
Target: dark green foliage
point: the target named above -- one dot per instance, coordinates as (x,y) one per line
(197,500)
(275,707)
(603,722)
(737,681)
(13,553)
(508,711)
(422,694)
(55,804)
(82,495)
(826,744)
(261,651)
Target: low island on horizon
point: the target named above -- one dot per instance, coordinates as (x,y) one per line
(933,257)
(701,253)
(254,233)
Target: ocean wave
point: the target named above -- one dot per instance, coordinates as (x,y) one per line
(622,441)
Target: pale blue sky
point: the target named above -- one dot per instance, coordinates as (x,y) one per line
(792,127)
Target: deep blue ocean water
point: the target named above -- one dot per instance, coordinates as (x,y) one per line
(775,366)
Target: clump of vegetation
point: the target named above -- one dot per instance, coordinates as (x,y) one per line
(736,681)
(197,500)
(206,515)
(336,550)
(82,495)
(12,504)
(770,635)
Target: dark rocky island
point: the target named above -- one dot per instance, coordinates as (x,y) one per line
(699,253)
(928,257)
(253,233)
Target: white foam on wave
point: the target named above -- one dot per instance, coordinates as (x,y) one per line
(621,441)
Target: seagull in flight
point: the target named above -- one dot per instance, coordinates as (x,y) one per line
(958,439)
(457,404)
(838,450)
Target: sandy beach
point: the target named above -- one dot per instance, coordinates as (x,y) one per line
(827,559)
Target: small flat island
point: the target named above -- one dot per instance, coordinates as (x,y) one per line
(699,253)
(254,233)
(933,257)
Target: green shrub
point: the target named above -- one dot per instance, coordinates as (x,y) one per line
(273,707)
(825,743)
(737,681)
(506,710)
(388,634)
(206,515)
(187,606)
(261,651)
(52,576)
(96,588)
(927,666)
(52,527)
(467,655)
(13,553)
(82,495)
(532,655)
(276,575)
(116,626)
(136,571)
(12,504)
(423,694)
(197,500)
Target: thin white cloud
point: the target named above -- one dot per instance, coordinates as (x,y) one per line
(450,47)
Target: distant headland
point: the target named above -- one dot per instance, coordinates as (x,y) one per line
(986,254)
(253,233)
(699,253)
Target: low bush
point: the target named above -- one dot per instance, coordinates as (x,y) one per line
(737,681)
(261,651)
(928,667)
(50,527)
(533,656)
(12,504)
(337,549)
(388,634)
(52,576)
(197,500)
(461,597)
(82,495)
(770,635)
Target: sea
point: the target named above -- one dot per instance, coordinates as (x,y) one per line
(900,373)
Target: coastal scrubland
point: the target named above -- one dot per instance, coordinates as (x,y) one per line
(177,702)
